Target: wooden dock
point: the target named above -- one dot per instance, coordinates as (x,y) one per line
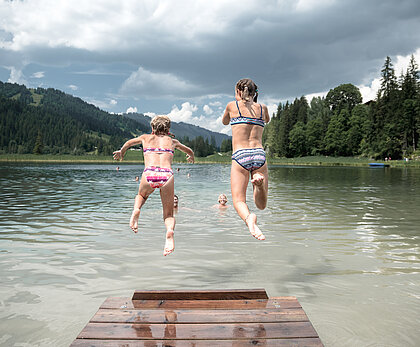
(210,318)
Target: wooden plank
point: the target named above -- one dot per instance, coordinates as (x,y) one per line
(198,316)
(232,294)
(198,331)
(304,342)
(127,303)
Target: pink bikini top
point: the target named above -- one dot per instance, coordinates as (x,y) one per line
(157,150)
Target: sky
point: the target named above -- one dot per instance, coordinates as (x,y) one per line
(183,58)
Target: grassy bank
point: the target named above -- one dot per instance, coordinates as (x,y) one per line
(135,157)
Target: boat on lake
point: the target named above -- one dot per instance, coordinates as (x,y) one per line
(378,165)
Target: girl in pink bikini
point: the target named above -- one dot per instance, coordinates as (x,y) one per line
(158,149)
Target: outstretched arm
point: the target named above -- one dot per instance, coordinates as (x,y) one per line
(266,114)
(119,155)
(226,116)
(187,150)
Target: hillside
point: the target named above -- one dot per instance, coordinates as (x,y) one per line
(52,122)
(182,130)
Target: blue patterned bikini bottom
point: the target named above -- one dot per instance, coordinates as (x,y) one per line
(250,158)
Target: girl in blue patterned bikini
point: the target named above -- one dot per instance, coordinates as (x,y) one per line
(158,149)
(247,119)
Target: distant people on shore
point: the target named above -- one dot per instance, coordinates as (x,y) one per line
(158,149)
(248,119)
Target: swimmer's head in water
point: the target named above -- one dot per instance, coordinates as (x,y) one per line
(160,125)
(222,199)
(248,89)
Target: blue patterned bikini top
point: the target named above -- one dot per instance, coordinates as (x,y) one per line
(247,120)
(157,150)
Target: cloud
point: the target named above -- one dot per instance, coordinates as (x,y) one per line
(307,5)
(188,113)
(184,114)
(207,110)
(131,110)
(113,102)
(73,87)
(156,84)
(158,53)
(16,76)
(39,74)
(215,104)
(370,92)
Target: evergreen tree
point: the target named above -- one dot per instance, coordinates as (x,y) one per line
(38,144)
(410,107)
(226,145)
(388,115)
(358,128)
(335,139)
(297,136)
(388,80)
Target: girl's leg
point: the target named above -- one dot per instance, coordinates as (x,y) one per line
(144,191)
(259,179)
(239,178)
(167,197)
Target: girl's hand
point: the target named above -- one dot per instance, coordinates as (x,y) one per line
(190,159)
(118,155)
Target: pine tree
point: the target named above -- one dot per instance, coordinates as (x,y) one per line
(388,80)
(38,144)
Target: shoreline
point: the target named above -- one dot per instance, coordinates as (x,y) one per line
(213,159)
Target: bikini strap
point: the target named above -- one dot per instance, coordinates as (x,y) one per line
(238,108)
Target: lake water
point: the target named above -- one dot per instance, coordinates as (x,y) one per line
(345,241)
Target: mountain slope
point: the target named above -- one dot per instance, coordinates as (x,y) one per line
(51,121)
(182,130)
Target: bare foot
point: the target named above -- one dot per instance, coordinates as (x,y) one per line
(257,180)
(135,219)
(251,222)
(169,244)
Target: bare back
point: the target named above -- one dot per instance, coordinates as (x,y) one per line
(246,135)
(151,146)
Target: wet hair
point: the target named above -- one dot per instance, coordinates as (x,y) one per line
(222,196)
(160,125)
(176,196)
(248,88)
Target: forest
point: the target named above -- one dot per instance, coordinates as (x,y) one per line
(341,125)
(52,122)
(48,121)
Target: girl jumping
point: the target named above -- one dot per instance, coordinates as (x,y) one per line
(247,119)
(158,149)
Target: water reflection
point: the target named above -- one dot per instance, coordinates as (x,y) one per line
(337,238)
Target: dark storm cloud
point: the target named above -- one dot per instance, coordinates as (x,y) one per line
(292,55)
(290,48)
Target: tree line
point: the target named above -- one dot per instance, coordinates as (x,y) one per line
(59,124)
(50,121)
(340,125)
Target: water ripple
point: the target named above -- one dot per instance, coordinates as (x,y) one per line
(336,238)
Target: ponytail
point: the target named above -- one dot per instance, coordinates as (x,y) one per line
(248,88)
